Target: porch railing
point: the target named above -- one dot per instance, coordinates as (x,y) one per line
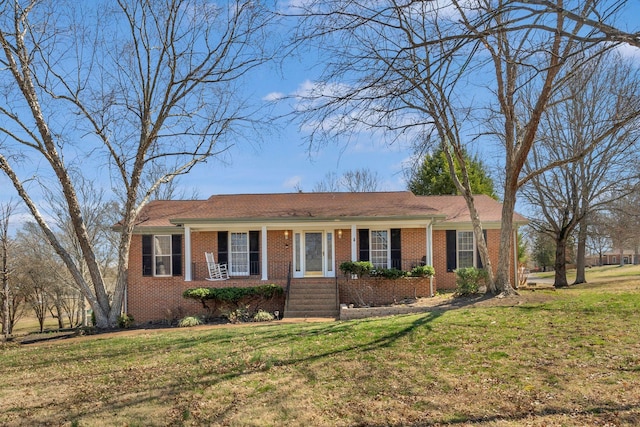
(277,270)
(282,270)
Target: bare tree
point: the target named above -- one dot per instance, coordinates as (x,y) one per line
(453,73)
(598,127)
(361,180)
(355,181)
(6,211)
(623,221)
(598,240)
(130,84)
(330,183)
(603,27)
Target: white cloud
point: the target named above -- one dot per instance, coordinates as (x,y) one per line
(274,96)
(628,51)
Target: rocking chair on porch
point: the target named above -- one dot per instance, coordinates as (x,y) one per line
(216,271)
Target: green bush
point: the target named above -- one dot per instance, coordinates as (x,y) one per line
(388,273)
(359,268)
(423,271)
(263,316)
(233,295)
(189,321)
(125,321)
(468,280)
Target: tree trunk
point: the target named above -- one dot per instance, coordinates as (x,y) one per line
(560,279)
(503,281)
(581,255)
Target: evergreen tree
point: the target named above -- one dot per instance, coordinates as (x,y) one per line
(433,178)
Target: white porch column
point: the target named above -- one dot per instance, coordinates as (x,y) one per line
(429,253)
(354,243)
(187,254)
(265,258)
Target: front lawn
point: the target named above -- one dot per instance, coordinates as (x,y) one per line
(572,359)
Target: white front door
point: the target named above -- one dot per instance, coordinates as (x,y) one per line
(313,254)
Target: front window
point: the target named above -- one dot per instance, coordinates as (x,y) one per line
(380,248)
(239,254)
(465,249)
(162,255)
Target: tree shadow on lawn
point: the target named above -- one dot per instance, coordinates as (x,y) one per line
(602,413)
(168,394)
(280,336)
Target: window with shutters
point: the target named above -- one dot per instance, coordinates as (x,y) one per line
(239,254)
(162,255)
(466,249)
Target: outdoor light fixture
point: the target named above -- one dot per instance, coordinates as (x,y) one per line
(286,234)
(339,234)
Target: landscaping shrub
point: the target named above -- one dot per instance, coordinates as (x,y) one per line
(423,271)
(388,273)
(125,321)
(189,321)
(263,316)
(468,280)
(232,295)
(229,299)
(359,268)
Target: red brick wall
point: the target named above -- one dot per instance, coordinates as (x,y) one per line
(381,291)
(151,299)
(414,247)
(447,280)
(343,248)
(156,298)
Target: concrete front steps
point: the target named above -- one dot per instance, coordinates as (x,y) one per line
(308,299)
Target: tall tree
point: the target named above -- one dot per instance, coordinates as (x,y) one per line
(589,129)
(432,176)
(543,250)
(6,211)
(417,68)
(130,84)
(597,235)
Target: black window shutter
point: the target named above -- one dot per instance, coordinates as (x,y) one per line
(396,253)
(223,247)
(254,252)
(484,232)
(147,255)
(176,254)
(452,263)
(363,237)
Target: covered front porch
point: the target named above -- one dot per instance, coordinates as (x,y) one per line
(275,253)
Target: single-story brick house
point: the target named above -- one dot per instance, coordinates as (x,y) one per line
(299,240)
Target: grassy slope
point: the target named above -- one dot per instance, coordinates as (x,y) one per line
(572,361)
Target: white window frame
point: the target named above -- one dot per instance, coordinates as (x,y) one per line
(157,247)
(466,250)
(386,251)
(235,256)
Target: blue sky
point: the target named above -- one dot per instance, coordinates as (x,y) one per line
(282,162)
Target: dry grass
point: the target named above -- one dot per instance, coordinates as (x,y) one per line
(569,358)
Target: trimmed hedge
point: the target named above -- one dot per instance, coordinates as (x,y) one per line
(232,295)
